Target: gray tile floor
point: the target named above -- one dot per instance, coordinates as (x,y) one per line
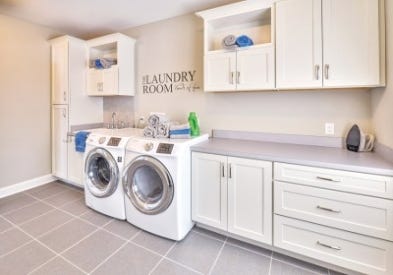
(49,230)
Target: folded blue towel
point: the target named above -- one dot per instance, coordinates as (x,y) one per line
(180,132)
(80,141)
(244,41)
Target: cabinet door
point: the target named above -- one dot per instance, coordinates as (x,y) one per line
(110,79)
(59,140)
(95,83)
(75,164)
(250,199)
(60,73)
(220,72)
(299,44)
(255,69)
(209,190)
(351,42)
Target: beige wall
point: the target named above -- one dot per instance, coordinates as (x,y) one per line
(24,101)
(176,44)
(382,98)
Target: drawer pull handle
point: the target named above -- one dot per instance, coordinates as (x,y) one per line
(328,209)
(327,179)
(329,246)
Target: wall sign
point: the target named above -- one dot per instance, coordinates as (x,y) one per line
(168,83)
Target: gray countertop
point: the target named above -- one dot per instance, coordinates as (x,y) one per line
(317,156)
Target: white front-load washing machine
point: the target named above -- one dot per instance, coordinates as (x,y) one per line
(104,161)
(157,185)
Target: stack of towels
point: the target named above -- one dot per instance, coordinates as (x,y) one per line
(180,131)
(157,126)
(230,42)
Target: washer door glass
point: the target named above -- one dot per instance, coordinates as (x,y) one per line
(101,173)
(148,184)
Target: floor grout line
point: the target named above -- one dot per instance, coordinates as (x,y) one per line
(162,258)
(217,257)
(183,265)
(16,248)
(271,262)
(51,250)
(209,236)
(300,267)
(252,251)
(113,253)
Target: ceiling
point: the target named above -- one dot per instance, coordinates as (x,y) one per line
(89,18)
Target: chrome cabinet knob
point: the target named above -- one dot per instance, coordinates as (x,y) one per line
(149,146)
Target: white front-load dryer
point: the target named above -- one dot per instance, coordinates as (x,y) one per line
(104,162)
(157,185)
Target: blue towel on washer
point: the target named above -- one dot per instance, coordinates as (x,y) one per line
(180,132)
(80,141)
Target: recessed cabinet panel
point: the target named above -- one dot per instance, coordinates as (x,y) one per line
(255,69)
(351,42)
(299,44)
(249,199)
(209,190)
(59,140)
(60,72)
(220,72)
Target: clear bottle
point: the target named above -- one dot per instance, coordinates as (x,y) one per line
(194,124)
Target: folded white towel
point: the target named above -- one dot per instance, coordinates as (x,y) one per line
(162,130)
(157,118)
(179,127)
(180,136)
(149,131)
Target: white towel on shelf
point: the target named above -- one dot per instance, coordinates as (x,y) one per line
(149,132)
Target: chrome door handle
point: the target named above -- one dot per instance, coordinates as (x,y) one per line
(329,246)
(231,77)
(317,72)
(64,96)
(64,113)
(327,67)
(238,77)
(230,171)
(327,179)
(222,170)
(328,209)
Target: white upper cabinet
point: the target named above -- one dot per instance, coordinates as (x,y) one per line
(299,44)
(351,43)
(60,75)
(329,43)
(242,68)
(118,79)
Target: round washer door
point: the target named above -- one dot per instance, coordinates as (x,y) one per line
(148,184)
(101,172)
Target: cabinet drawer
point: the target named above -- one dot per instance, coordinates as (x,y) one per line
(356,213)
(349,250)
(371,185)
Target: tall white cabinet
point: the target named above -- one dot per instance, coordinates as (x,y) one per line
(233,194)
(70,105)
(329,43)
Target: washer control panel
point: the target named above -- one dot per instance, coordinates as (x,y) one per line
(164,148)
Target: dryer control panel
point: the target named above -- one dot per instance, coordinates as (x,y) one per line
(114,141)
(164,148)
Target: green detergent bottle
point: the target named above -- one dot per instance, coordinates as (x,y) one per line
(194,124)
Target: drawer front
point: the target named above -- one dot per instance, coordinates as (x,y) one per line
(349,250)
(371,185)
(356,213)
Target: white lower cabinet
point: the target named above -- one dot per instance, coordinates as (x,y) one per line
(342,248)
(339,217)
(59,140)
(233,194)
(75,164)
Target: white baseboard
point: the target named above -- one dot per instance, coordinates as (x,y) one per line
(25,185)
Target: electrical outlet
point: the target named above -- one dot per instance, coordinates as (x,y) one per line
(329,128)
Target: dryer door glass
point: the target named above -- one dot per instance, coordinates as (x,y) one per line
(149,185)
(101,173)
